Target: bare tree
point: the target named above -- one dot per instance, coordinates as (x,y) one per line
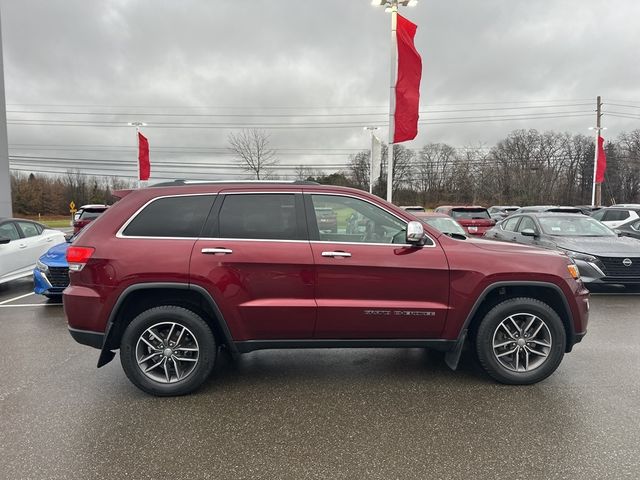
(303,173)
(251,147)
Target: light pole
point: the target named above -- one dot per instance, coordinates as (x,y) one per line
(5,175)
(596,192)
(137,125)
(372,164)
(392,6)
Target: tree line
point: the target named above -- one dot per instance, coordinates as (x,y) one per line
(527,167)
(45,195)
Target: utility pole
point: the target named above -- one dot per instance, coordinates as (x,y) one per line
(5,179)
(596,191)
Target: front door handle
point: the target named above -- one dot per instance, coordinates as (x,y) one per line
(215,251)
(336,254)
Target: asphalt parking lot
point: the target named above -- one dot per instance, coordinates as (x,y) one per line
(330,414)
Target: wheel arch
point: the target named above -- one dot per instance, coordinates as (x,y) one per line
(141,296)
(546,292)
(496,293)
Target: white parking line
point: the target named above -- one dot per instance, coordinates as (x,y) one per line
(33,305)
(17,298)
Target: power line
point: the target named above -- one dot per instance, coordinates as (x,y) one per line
(271,115)
(290,126)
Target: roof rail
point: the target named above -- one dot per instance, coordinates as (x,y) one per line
(182,182)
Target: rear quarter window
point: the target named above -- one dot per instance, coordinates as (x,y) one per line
(182,216)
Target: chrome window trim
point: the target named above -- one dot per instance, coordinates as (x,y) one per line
(377,206)
(226,239)
(325,242)
(120,234)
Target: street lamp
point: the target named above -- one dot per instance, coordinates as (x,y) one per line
(392,6)
(137,125)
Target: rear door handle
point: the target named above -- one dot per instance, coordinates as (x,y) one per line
(215,251)
(22,245)
(336,254)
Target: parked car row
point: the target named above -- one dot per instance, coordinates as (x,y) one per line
(603,242)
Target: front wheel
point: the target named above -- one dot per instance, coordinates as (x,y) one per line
(520,341)
(168,351)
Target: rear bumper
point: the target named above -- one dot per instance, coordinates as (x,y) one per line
(87,337)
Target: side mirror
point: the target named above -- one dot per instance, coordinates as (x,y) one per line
(4,240)
(529,232)
(618,232)
(415,232)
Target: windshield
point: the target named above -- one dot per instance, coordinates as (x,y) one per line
(445,225)
(574,227)
(470,213)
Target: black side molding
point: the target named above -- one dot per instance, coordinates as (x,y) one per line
(251,345)
(87,337)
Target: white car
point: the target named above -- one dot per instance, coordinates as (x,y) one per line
(22,242)
(617,215)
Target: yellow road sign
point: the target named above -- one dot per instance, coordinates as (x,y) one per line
(72,205)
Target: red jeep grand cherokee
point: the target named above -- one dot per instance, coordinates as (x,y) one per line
(170,273)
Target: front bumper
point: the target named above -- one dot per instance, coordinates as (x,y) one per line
(592,274)
(42,285)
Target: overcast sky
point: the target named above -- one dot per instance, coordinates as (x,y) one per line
(295,62)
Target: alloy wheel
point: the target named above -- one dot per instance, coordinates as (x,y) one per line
(522,342)
(167,352)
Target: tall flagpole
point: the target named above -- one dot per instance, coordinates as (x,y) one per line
(392,97)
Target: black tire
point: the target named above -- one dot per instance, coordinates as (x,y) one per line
(491,322)
(198,330)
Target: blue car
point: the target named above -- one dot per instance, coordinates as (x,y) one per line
(51,275)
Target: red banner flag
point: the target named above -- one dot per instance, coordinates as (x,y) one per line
(143,157)
(601,166)
(408,82)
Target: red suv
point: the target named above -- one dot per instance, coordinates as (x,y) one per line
(85,215)
(169,274)
(475,220)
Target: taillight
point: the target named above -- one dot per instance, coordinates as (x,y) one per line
(77,257)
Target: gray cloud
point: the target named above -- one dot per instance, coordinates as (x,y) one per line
(257,55)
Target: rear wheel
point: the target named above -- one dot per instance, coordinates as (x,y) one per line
(168,351)
(520,341)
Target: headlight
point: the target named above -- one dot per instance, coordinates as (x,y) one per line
(41,266)
(580,256)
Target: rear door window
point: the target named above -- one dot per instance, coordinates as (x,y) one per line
(181,217)
(9,230)
(267,216)
(29,229)
(615,215)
